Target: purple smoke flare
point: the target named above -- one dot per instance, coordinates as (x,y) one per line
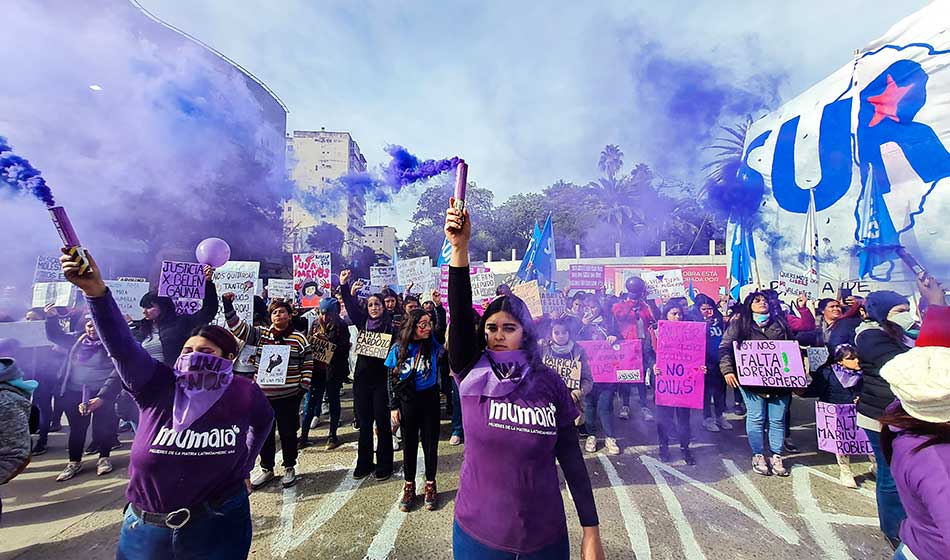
(19,175)
(405,169)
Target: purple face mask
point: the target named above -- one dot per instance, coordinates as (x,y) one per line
(200,380)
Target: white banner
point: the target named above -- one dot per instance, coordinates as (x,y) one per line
(128,295)
(239,277)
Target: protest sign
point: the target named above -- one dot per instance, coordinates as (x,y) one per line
(680,363)
(323,350)
(621,362)
(246,361)
(272,368)
(664,284)
(817,356)
(280,288)
(798,283)
(553,304)
(837,429)
(382,277)
(483,286)
(366,290)
(568,369)
(127,296)
(182,280)
(473,270)
(770,363)
(60,294)
(239,278)
(311,278)
(417,271)
(586,276)
(48,269)
(531,295)
(28,334)
(187,306)
(373,344)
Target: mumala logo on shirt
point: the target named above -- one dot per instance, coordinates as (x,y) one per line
(536,420)
(219,441)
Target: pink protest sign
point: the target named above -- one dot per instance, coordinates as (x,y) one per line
(680,359)
(621,362)
(478,304)
(586,276)
(311,278)
(770,363)
(837,429)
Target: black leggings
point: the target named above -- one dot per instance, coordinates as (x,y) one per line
(371,399)
(104,425)
(286,423)
(421,416)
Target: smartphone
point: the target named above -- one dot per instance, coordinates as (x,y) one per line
(845,293)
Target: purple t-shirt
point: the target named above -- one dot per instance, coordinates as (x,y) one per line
(523,417)
(923,481)
(208,461)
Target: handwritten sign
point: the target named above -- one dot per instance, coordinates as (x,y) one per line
(478,305)
(280,288)
(48,269)
(586,276)
(373,344)
(680,358)
(799,283)
(246,361)
(817,356)
(382,277)
(187,306)
(664,284)
(568,369)
(417,271)
(531,295)
(272,367)
(311,278)
(61,294)
(770,363)
(239,278)
(483,286)
(621,362)
(837,429)
(28,334)
(322,350)
(182,280)
(366,290)
(553,304)
(127,296)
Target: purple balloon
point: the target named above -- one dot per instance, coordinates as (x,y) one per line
(213,252)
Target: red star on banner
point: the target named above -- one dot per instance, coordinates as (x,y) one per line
(885,104)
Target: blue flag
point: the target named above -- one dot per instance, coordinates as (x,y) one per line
(525,272)
(743,258)
(444,254)
(545,259)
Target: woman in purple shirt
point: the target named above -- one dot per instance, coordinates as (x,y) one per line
(518,418)
(200,430)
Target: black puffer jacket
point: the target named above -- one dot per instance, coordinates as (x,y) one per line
(875,348)
(776,329)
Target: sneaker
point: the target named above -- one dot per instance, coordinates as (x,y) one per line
(315,422)
(56,427)
(723,423)
(355,425)
(739,410)
(116,445)
(408,497)
(332,443)
(778,467)
(688,457)
(790,446)
(624,413)
(611,447)
(91,450)
(125,426)
(104,466)
(303,443)
(289,478)
(455,439)
(431,496)
(262,478)
(71,470)
(360,473)
(760,465)
(647,414)
(591,445)
(383,475)
(710,424)
(665,454)
(39,448)
(397,443)
(847,479)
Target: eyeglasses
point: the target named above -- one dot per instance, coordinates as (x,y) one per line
(423,326)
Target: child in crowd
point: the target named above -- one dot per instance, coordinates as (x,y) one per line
(569,360)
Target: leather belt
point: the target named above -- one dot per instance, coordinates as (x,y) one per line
(180,517)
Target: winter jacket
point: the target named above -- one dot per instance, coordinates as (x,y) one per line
(775,329)
(875,348)
(368,369)
(826,388)
(72,342)
(14,420)
(575,354)
(637,322)
(175,330)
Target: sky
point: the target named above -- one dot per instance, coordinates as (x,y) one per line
(530,92)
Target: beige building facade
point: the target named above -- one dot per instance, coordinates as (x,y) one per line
(382,240)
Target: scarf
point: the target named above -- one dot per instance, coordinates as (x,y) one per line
(87,348)
(760,318)
(847,377)
(496,374)
(379,324)
(566,349)
(200,380)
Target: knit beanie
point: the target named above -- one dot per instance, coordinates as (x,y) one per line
(880,303)
(329,305)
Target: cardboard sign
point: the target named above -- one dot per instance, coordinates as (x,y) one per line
(531,295)
(382,277)
(187,306)
(837,429)
(182,280)
(60,294)
(240,278)
(665,285)
(798,283)
(322,350)
(417,271)
(621,362)
(28,334)
(680,361)
(311,278)
(817,356)
(280,288)
(586,276)
(272,368)
(483,286)
(128,295)
(246,361)
(48,269)
(373,344)
(770,363)
(568,369)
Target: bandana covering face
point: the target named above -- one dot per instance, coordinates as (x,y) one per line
(496,374)
(200,380)
(847,377)
(87,348)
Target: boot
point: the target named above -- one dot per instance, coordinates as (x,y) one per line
(846,477)
(408,497)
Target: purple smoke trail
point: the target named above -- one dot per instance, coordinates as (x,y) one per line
(20,176)
(405,168)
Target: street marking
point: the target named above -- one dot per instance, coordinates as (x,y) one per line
(384,543)
(288,508)
(820,523)
(632,520)
(769,514)
(691,547)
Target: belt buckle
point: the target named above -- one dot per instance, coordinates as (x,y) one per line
(171,524)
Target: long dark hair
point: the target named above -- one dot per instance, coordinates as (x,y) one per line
(165,305)
(514,306)
(406,336)
(745,321)
(936,434)
(702,299)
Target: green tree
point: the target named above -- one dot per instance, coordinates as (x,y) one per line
(325,238)
(611,160)
(429,218)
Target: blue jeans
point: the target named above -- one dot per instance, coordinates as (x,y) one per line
(313,404)
(201,538)
(457,411)
(599,403)
(890,510)
(758,408)
(465,547)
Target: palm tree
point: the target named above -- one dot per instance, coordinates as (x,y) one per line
(611,160)
(619,199)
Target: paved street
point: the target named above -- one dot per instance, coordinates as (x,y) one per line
(648,510)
